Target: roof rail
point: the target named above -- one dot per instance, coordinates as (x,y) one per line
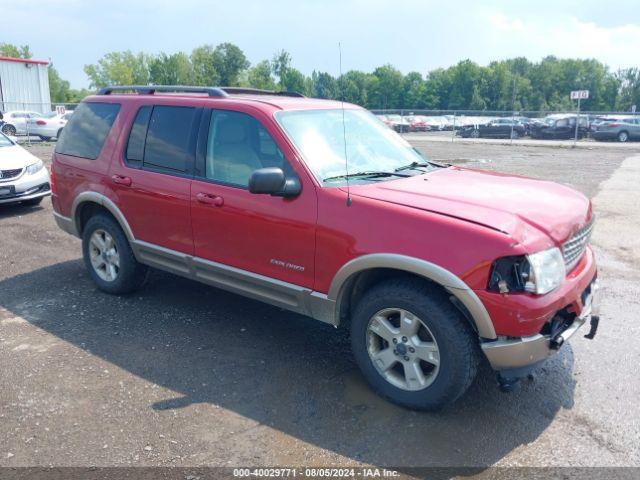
(257,91)
(211,91)
(151,89)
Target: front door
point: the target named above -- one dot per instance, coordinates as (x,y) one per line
(258,234)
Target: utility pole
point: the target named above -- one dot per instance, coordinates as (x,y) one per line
(513,109)
(575,140)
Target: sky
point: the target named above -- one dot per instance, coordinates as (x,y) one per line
(411,35)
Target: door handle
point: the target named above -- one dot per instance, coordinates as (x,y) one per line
(120,180)
(207,199)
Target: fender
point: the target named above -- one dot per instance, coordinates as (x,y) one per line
(452,283)
(104,201)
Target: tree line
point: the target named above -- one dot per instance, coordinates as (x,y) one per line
(505,85)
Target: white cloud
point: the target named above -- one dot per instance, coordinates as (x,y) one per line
(616,46)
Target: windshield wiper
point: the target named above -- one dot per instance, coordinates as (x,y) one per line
(370,174)
(413,166)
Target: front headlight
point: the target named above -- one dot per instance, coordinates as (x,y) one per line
(35,167)
(537,273)
(547,271)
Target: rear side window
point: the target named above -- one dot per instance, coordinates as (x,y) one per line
(87,130)
(170,132)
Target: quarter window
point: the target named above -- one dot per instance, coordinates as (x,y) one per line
(135,145)
(237,145)
(87,130)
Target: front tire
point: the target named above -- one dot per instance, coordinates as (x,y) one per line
(475,133)
(109,258)
(623,136)
(412,345)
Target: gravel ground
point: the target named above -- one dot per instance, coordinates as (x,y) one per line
(183,374)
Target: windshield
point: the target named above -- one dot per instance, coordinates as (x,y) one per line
(4,141)
(370,145)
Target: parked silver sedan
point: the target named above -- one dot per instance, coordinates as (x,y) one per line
(620,129)
(49,125)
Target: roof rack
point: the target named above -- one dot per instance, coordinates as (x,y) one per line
(211,91)
(257,91)
(151,89)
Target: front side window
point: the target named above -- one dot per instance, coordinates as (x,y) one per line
(87,130)
(323,137)
(237,145)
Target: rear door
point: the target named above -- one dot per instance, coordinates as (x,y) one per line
(152,179)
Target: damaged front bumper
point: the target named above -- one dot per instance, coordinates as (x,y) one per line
(516,357)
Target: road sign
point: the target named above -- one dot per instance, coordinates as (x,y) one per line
(579,94)
(60,109)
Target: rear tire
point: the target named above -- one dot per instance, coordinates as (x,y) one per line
(475,133)
(9,130)
(44,139)
(109,257)
(425,370)
(623,136)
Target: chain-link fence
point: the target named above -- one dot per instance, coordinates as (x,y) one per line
(450,124)
(552,125)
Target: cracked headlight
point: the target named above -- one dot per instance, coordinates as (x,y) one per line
(547,271)
(35,167)
(537,273)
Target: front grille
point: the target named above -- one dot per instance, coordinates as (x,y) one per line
(573,249)
(8,174)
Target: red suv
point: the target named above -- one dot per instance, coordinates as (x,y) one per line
(317,207)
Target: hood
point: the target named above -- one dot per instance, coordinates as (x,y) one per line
(15,157)
(498,201)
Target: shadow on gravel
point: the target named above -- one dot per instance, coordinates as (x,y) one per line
(10,210)
(280,369)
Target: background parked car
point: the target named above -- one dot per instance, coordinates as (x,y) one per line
(15,122)
(399,123)
(418,123)
(385,120)
(497,128)
(620,129)
(559,127)
(435,123)
(23,176)
(49,125)
(526,122)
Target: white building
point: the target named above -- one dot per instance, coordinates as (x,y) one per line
(24,85)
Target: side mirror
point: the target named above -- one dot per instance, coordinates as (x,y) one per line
(272,181)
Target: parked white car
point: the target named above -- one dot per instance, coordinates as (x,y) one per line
(16,121)
(49,125)
(23,176)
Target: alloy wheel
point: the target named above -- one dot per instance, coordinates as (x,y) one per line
(9,130)
(403,349)
(104,256)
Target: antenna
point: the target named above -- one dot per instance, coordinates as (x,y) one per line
(344,129)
